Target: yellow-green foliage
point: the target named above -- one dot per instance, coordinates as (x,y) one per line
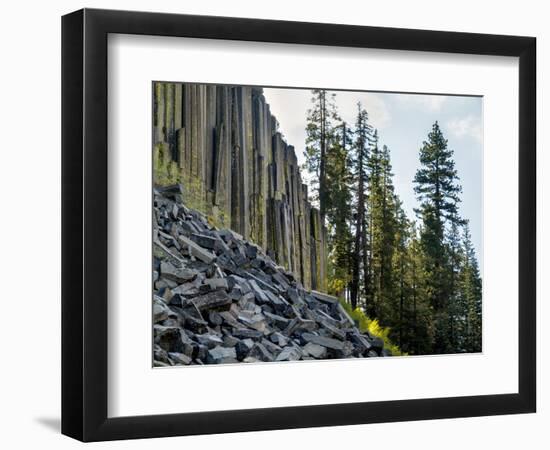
(336,285)
(365,323)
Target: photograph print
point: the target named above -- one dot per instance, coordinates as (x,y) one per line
(313,224)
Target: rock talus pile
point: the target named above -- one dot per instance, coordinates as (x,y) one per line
(219,299)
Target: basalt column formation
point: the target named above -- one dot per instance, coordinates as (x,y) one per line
(221,143)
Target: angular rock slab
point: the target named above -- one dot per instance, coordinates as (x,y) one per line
(214,299)
(221,355)
(323,341)
(196,250)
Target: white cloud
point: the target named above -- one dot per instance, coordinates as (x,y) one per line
(469,126)
(376,106)
(432,103)
(378,110)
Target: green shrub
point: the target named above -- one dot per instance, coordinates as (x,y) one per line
(372,326)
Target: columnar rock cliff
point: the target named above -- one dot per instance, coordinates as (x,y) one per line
(221,143)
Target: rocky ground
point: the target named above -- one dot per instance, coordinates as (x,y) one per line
(219,299)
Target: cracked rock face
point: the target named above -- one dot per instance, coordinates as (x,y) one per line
(219,299)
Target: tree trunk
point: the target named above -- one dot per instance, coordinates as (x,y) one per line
(322,162)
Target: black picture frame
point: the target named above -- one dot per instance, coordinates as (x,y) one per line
(84,224)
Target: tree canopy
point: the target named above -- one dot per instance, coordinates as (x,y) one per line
(418,276)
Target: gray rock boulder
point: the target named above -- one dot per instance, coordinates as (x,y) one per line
(220,299)
(221,355)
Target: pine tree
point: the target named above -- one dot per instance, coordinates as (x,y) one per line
(420,325)
(339,210)
(455,261)
(401,292)
(319,135)
(363,138)
(471,292)
(382,229)
(437,189)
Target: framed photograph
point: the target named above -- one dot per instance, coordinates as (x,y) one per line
(273,224)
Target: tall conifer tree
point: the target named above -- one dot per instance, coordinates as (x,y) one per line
(471,291)
(437,189)
(339,209)
(382,220)
(363,139)
(320,131)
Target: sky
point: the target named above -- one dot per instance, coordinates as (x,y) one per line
(403,122)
